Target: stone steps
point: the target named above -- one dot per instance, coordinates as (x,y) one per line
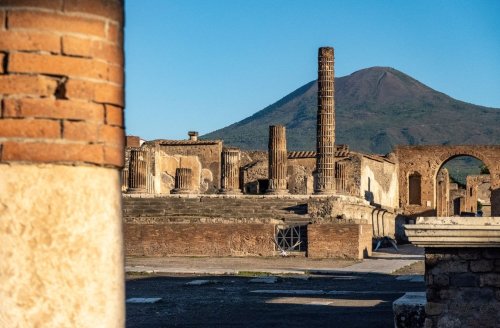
(289,210)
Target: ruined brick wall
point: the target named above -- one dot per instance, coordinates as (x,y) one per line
(427,160)
(199,239)
(206,225)
(350,241)
(202,157)
(463,287)
(478,189)
(300,175)
(61,82)
(379,181)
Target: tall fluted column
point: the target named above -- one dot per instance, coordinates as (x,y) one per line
(62,137)
(277,160)
(183,178)
(325,139)
(230,178)
(138,171)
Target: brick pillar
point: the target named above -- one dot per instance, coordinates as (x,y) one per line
(183,178)
(138,171)
(61,148)
(325,138)
(443,193)
(230,178)
(277,160)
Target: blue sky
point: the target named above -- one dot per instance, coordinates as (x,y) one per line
(202,65)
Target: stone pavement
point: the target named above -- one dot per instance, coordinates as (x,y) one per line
(384,261)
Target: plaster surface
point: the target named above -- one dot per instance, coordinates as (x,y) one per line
(61,246)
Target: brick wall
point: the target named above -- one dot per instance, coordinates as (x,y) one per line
(353,241)
(463,287)
(61,81)
(199,239)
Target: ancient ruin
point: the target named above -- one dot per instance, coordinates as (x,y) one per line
(277,160)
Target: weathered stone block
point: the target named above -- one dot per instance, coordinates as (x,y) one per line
(490,279)
(409,310)
(481,266)
(464,280)
(432,308)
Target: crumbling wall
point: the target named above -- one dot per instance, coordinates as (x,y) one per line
(379,181)
(199,239)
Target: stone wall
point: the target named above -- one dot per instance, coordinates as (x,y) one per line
(203,157)
(379,181)
(348,240)
(463,287)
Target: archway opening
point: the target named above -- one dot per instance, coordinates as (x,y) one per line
(463,187)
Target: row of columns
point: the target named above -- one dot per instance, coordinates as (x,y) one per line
(325,146)
(230,177)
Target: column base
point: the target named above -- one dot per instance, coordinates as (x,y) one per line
(277,192)
(136,190)
(178,191)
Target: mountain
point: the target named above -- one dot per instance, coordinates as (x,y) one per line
(376,108)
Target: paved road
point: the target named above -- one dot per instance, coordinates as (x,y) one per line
(349,295)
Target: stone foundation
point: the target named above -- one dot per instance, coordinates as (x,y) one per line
(463,287)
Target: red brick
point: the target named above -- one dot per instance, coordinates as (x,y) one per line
(105,8)
(47,4)
(55,22)
(115,74)
(27,84)
(59,65)
(111,135)
(2,19)
(22,40)
(51,108)
(30,128)
(82,131)
(109,94)
(108,52)
(100,92)
(114,115)
(75,46)
(2,57)
(52,152)
(114,156)
(115,33)
(77,89)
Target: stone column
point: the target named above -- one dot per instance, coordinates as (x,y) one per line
(325,138)
(277,160)
(183,178)
(230,177)
(61,141)
(461,270)
(138,171)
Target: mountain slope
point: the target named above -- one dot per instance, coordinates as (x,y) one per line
(376,108)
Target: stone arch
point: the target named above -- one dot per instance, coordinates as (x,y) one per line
(427,160)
